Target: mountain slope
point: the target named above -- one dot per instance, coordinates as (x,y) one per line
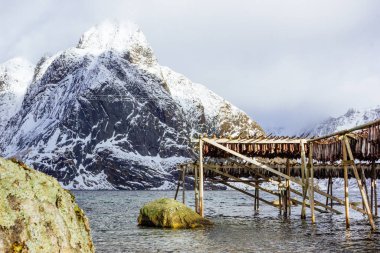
(350,119)
(106,115)
(15,76)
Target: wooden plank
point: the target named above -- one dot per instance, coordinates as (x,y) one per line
(346,200)
(311,185)
(183,185)
(375,186)
(196,189)
(305,178)
(247,193)
(328,190)
(288,187)
(362,191)
(300,194)
(261,188)
(201,211)
(178,185)
(257,195)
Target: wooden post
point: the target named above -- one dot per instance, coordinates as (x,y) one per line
(364,182)
(279,194)
(289,203)
(362,191)
(372,183)
(328,190)
(201,211)
(375,185)
(331,192)
(178,184)
(346,201)
(258,195)
(183,184)
(196,190)
(311,185)
(256,204)
(373,188)
(304,179)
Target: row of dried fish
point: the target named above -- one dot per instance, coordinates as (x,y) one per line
(270,150)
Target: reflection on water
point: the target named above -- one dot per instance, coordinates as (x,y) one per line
(238,228)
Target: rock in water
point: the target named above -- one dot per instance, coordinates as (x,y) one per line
(169,213)
(37,214)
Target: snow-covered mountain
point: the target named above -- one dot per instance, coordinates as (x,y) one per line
(15,76)
(350,119)
(106,115)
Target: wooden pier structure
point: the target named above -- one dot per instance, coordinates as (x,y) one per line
(283,160)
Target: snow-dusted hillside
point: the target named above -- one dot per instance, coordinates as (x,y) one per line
(15,76)
(350,119)
(106,115)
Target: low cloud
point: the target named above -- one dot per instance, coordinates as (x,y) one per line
(286,63)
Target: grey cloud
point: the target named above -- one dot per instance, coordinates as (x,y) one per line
(286,63)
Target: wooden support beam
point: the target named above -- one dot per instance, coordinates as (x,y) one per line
(247,193)
(362,191)
(261,188)
(279,194)
(201,211)
(304,180)
(331,191)
(196,190)
(288,186)
(178,184)
(292,179)
(311,184)
(183,185)
(256,204)
(300,194)
(364,182)
(375,185)
(346,200)
(328,190)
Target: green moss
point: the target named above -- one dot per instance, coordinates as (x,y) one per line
(170,213)
(36,211)
(17,247)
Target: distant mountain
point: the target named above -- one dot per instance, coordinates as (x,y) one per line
(15,76)
(350,119)
(106,115)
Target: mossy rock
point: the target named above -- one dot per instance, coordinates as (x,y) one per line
(169,213)
(37,214)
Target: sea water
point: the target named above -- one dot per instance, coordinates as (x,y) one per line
(238,228)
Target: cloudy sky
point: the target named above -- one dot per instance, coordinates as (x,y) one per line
(286,63)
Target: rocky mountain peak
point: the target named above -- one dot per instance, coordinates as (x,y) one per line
(123,37)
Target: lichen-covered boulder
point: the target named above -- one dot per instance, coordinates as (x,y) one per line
(169,213)
(37,214)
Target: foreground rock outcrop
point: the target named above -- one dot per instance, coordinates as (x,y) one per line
(37,214)
(169,213)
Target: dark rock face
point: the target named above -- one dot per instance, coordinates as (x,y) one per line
(106,119)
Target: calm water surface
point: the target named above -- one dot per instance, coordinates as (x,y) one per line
(238,228)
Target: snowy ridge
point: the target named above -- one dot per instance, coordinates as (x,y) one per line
(15,76)
(352,118)
(106,115)
(215,114)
